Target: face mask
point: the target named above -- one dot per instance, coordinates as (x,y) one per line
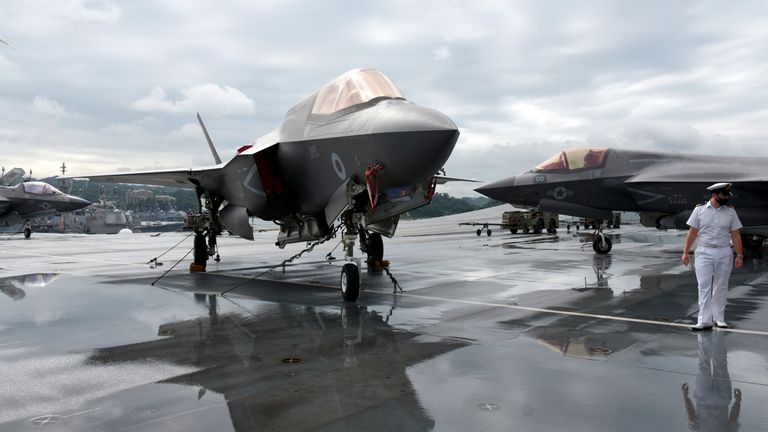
(722,201)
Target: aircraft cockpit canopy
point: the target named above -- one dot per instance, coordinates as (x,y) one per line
(574,159)
(352,88)
(40,188)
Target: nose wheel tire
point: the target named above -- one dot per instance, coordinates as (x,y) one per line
(27,233)
(602,245)
(350,282)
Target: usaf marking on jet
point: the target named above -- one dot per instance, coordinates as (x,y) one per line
(355,149)
(663,187)
(20,203)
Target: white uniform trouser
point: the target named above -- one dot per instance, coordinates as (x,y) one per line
(713,269)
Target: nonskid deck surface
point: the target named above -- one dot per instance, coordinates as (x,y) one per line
(524,332)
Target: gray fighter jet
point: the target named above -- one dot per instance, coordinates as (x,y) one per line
(356,150)
(24,201)
(663,187)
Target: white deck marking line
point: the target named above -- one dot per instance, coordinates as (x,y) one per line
(570,313)
(531,309)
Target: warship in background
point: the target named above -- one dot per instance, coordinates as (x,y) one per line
(105,217)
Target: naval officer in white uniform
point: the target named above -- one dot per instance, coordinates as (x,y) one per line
(717,226)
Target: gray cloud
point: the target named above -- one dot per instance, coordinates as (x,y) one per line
(521,79)
(211,98)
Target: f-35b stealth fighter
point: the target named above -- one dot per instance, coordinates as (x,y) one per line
(356,150)
(663,187)
(24,201)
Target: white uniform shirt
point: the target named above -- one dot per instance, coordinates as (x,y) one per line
(714,224)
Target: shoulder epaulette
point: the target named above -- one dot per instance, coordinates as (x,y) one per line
(699,205)
(732,207)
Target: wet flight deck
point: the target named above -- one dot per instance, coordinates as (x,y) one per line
(508,332)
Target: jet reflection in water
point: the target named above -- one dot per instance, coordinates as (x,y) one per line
(600,264)
(712,410)
(291,367)
(14,286)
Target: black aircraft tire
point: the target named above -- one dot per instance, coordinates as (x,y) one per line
(27,232)
(478,232)
(350,282)
(600,247)
(489,233)
(513,230)
(375,247)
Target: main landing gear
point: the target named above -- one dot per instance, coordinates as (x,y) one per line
(206,226)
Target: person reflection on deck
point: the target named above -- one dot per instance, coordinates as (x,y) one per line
(712,390)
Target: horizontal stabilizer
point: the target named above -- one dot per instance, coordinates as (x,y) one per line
(235,218)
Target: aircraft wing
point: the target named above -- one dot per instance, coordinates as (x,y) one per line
(694,173)
(444,179)
(178,178)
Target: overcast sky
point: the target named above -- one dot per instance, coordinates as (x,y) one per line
(109,85)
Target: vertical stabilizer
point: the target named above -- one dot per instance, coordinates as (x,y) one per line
(11,177)
(208,138)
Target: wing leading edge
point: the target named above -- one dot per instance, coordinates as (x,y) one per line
(178,178)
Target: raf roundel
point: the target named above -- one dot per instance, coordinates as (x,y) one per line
(338,166)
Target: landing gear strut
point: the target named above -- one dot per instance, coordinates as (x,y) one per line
(350,273)
(372,245)
(206,227)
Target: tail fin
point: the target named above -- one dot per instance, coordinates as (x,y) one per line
(208,138)
(11,177)
(2,41)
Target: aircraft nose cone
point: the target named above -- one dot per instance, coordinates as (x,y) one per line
(415,141)
(78,203)
(500,190)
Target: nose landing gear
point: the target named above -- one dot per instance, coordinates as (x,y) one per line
(602,243)
(350,282)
